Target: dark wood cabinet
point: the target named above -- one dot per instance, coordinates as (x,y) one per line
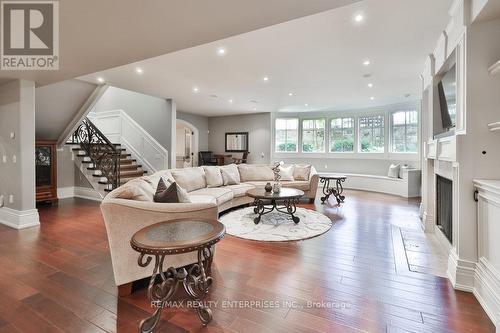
(46,171)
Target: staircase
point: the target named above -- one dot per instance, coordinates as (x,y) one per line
(106,165)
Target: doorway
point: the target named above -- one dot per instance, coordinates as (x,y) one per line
(186,145)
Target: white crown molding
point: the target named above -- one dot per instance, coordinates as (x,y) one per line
(19,219)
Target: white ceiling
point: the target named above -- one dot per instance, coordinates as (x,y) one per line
(318,58)
(97,34)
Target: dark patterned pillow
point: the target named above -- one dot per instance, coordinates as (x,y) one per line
(164,194)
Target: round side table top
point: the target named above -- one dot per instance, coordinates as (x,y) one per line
(332,176)
(178,236)
(285,193)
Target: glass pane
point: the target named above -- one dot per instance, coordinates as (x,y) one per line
(43,166)
(313,135)
(405,132)
(342,135)
(286,133)
(371,134)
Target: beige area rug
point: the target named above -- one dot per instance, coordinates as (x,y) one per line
(275,226)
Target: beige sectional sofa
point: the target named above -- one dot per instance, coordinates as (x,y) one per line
(130,207)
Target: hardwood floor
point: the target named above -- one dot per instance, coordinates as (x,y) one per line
(373,271)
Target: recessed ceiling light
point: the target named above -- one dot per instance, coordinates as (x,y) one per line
(254,109)
(196,89)
(372,98)
(230,101)
(366,62)
(358,18)
(370,85)
(306,104)
(221,51)
(290,94)
(100,80)
(265,78)
(139,70)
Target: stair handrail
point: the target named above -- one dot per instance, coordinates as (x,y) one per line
(103,154)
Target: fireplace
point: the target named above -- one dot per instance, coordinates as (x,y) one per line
(444,206)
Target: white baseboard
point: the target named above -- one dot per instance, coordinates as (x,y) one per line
(78,192)
(87,193)
(487,289)
(19,219)
(461,273)
(65,192)
(427,222)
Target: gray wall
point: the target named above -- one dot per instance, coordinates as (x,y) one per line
(201,123)
(65,167)
(259,127)
(17,115)
(57,104)
(152,113)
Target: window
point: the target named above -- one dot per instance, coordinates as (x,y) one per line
(287,134)
(313,135)
(371,134)
(342,135)
(404,132)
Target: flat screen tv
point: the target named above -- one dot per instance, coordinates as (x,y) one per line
(448,98)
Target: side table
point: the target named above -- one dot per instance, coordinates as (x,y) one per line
(162,239)
(334,188)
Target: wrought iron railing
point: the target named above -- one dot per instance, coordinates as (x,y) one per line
(104,155)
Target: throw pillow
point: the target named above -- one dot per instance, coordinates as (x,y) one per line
(301,172)
(256,172)
(229,178)
(394,170)
(136,189)
(232,170)
(190,179)
(166,194)
(213,176)
(286,172)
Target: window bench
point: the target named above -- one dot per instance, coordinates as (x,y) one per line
(408,186)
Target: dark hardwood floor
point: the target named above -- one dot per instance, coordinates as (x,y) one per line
(372,272)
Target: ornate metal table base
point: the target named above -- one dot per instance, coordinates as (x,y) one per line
(289,207)
(335,190)
(195,281)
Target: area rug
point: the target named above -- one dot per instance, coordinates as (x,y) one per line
(275,227)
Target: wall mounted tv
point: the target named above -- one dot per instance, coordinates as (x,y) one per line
(448,99)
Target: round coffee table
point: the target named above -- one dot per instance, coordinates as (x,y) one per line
(175,237)
(266,202)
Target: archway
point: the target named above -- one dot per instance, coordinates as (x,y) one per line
(187,137)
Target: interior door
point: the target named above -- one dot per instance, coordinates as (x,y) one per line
(188,148)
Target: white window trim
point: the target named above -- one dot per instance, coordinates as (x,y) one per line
(391,151)
(301,142)
(355,155)
(358,121)
(354,128)
(299,136)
